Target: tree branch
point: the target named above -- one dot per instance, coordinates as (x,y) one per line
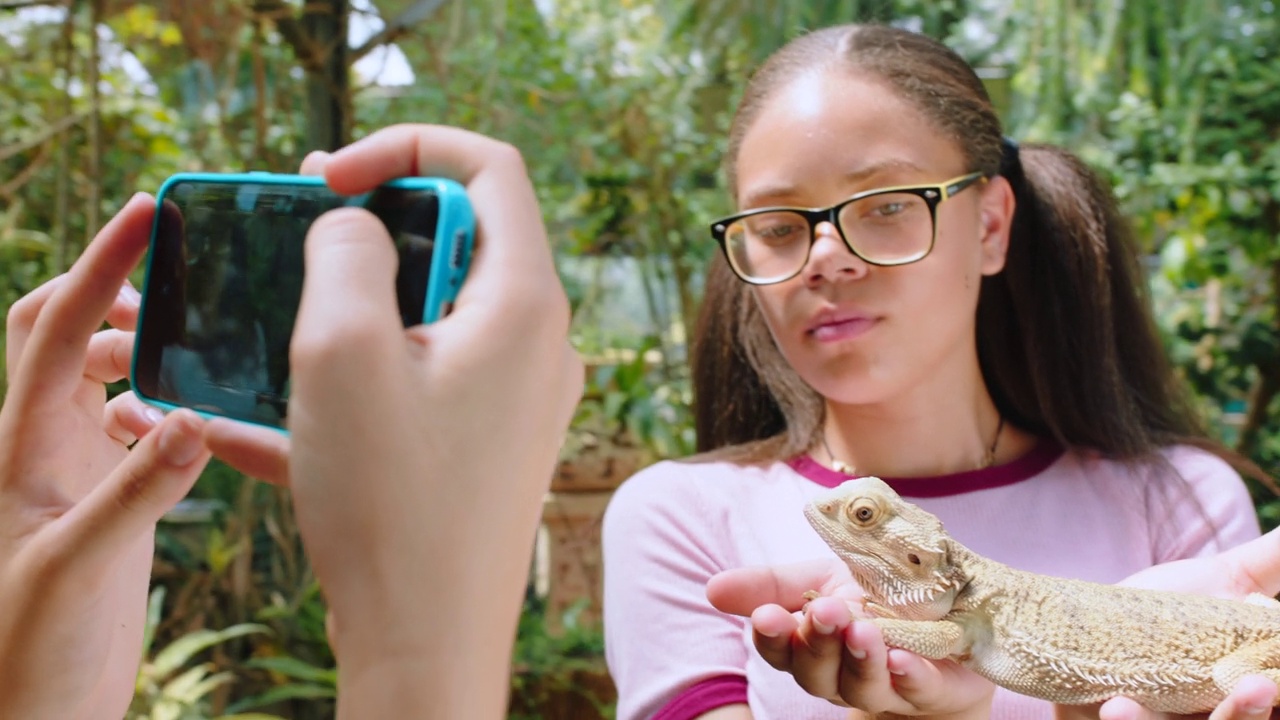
(281,15)
(42,137)
(414,14)
(24,175)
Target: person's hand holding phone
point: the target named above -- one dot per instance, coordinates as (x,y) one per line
(78,509)
(422,453)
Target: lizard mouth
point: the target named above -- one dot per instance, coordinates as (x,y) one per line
(925,599)
(889,591)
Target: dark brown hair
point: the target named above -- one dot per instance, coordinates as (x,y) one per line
(1066,340)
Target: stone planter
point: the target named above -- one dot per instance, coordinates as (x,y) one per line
(568,563)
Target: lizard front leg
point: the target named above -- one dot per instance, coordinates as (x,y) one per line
(1262,658)
(934,639)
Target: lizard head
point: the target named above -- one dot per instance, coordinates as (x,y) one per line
(899,554)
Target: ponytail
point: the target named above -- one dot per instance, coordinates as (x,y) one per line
(1066,338)
(732,404)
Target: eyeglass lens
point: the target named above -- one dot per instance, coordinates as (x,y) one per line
(884,229)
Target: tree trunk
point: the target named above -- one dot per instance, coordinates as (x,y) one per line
(62,190)
(93,203)
(328,87)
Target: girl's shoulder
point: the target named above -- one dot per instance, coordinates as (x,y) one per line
(704,478)
(1183,462)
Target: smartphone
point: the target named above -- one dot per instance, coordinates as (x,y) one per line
(224,279)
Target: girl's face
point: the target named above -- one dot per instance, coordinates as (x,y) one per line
(858,333)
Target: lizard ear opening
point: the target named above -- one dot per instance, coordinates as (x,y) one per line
(913,558)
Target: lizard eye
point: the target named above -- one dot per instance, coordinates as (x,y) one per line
(863,511)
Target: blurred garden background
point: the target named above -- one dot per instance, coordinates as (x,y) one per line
(620,108)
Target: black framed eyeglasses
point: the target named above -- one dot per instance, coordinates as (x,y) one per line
(887,226)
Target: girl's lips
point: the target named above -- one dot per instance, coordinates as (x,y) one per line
(842,329)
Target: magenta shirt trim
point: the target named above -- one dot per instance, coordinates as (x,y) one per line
(1034,462)
(705,696)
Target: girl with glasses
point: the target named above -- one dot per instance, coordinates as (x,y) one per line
(905,293)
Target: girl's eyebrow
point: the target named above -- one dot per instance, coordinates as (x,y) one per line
(759,195)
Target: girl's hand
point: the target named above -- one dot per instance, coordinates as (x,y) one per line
(834,656)
(419,458)
(78,509)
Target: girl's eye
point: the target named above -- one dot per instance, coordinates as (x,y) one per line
(779,231)
(776,231)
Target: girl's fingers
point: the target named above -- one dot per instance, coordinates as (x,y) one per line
(107,524)
(1251,699)
(22,318)
(512,277)
(255,451)
(741,590)
(109,356)
(126,418)
(865,681)
(818,648)
(52,360)
(124,312)
(313,163)
(772,628)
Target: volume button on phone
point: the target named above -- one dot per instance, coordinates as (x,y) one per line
(459,238)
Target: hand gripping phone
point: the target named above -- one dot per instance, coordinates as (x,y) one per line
(224,279)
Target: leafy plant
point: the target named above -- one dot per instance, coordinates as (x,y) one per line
(560,674)
(632,401)
(167,689)
(295,680)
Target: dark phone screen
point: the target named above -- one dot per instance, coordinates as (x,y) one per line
(225,281)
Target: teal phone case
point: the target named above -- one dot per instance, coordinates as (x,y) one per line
(450,261)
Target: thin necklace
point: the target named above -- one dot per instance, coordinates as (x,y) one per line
(988,458)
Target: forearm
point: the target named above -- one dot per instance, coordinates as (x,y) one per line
(467,682)
(441,650)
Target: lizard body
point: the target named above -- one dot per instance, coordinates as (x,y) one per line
(1062,640)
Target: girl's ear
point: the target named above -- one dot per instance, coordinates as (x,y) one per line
(996,218)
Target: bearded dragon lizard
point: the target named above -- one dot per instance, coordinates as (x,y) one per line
(1066,641)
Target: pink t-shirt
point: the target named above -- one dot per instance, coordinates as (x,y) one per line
(672,526)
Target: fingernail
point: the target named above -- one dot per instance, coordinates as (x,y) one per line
(767,633)
(1255,709)
(318,156)
(151,416)
(129,295)
(180,443)
(822,627)
(858,654)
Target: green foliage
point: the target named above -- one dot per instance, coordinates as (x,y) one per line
(629,401)
(169,690)
(1178,103)
(558,671)
(238,557)
(295,680)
